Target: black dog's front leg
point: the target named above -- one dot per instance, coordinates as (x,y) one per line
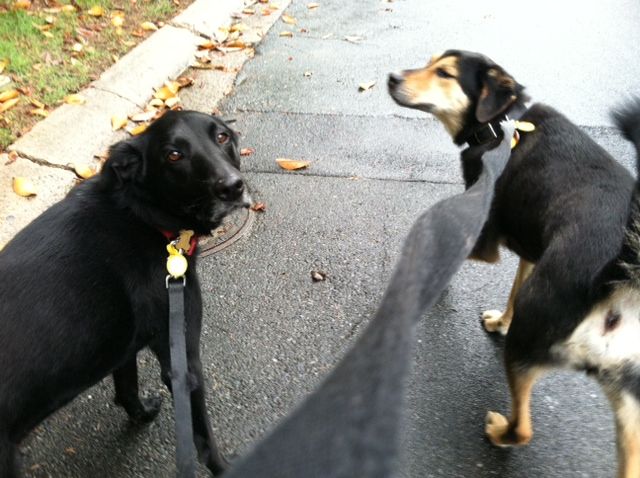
(125,380)
(208,452)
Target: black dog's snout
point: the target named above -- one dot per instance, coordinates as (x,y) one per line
(394,80)
(229,188)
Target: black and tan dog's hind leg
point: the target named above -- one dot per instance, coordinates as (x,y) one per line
(627,415)
(497,321)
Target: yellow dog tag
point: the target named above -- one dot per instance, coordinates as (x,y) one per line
(524,126)
(176,263)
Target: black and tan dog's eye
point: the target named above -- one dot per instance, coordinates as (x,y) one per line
(222,138)
(174,156)
(443,73)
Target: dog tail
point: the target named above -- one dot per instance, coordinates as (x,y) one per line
(627,119)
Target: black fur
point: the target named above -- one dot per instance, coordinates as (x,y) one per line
(83,286)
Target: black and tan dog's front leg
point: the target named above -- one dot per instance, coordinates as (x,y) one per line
(125,380)
(496,321)
(518,429)
(627,415)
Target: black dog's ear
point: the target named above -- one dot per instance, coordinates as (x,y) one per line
(499,91)
(125,161)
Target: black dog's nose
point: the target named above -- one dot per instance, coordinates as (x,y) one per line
(229,188)
(394,80)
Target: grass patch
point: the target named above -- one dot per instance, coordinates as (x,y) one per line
(50,50)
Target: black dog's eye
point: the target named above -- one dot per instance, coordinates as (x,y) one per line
(443,73)
(222,138)
(175,156)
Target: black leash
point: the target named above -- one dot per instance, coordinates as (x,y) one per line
(176,283)
(350,426)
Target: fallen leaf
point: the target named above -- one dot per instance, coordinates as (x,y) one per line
(8,104)
(289,19)
(77,47)
(3,64)
(366,86)
(9,95)
(68,8)
(249,11)
(138,129)
(22,4)
(84,171)
(185,81)
(11,157)
(292,164)
(164,93)
(96,11)
(239,27)
(117,20)
(118,122)
(75,99)
(47,34)
(318,276)
(207,45)
(259,207)
(354,39)
(23,187)
(172,102)
(39,112)
(221,35)
(311,6)
(156,102)
(287,34)
(50,19)
(36,103)
(247,151)
(144,116)
(148,26)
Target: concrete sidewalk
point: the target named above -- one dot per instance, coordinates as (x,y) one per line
(78,134)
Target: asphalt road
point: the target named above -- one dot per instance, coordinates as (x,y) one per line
(270,333)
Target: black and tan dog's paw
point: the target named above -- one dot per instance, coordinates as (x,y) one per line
(501,433)
(493,321)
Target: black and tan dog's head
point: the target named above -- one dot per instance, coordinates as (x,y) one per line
(183,171)
(462,89)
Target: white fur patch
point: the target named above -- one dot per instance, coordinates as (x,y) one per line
(592,345)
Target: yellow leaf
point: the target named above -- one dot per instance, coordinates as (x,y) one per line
(206,45)
(118,122)
(292,164)
(96,11)
(156,102)
(249,11)
(75,99)
(171,102)
(8,104)
(3,64)
(117,21)
(9,95)
(138,129)
(164,93)
(23,187)
(68,8)
(144,116)
(47,34)
(84,170)
(239,27)
(39,112)
(366,86)
(148,26)
(287,34)
(289,19)
(36,103)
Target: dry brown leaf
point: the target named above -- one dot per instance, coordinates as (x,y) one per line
(207,45)
(259,207)
(22,4)
(75,99)
(238,27)
(138,129)
(36,103)
(289,19)
(287,34)
(8,104)
(249,11)
(172,102)
(23,187)
(9,95)
(185,81)
(318,276)
(313,5)
(292,164)
(84,171)
(96,11)
(247,151)
(12,156)
(366,86)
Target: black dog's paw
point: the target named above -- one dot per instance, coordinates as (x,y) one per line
(145,410)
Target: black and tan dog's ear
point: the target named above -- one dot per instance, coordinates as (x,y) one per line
(499,91)
(125,161)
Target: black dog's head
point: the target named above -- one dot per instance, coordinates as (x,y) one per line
(462,89)
(181,173)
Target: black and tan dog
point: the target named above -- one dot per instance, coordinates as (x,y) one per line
(561,205)
(83,286)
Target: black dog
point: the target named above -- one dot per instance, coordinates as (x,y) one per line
(83,286)
(561,204)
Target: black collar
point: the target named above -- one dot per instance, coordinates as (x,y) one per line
(487,132)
